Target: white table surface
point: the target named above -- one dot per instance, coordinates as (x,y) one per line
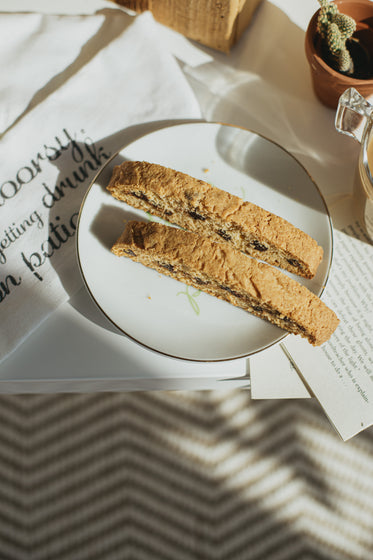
(75,348)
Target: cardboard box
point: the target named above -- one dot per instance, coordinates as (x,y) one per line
(216,24)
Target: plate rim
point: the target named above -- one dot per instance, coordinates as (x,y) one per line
(181,124)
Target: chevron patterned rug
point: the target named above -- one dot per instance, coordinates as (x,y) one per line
(180,476)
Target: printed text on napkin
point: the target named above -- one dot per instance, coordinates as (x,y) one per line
(51,156)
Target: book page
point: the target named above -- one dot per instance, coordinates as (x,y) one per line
(273,376)
(340,372)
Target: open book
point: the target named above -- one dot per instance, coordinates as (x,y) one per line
(339,373)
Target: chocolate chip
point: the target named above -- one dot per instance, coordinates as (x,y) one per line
(167,266)
(140,195)
(224,234)
(196,216)
(258,246)
(224,287)
(293,323)
(260,309)
(229,290)
(199,281)
(294,262)
(273,312)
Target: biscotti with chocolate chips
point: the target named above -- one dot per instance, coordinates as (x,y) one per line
(225,272)
(198,206)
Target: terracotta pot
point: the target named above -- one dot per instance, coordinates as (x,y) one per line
(329,84)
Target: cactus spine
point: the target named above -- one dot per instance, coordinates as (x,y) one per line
(336,28)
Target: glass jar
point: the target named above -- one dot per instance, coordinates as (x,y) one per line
(354,117)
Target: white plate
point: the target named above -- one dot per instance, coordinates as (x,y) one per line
(163,314)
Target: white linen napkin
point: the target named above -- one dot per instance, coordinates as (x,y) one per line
(52,153)
(33,51)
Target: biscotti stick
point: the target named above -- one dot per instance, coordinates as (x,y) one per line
(198,206)
(228,274)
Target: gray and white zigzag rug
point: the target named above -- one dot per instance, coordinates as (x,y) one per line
(180,476)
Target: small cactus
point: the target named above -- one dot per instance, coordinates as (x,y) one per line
(336,29)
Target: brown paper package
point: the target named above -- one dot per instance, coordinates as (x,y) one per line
(216,24)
